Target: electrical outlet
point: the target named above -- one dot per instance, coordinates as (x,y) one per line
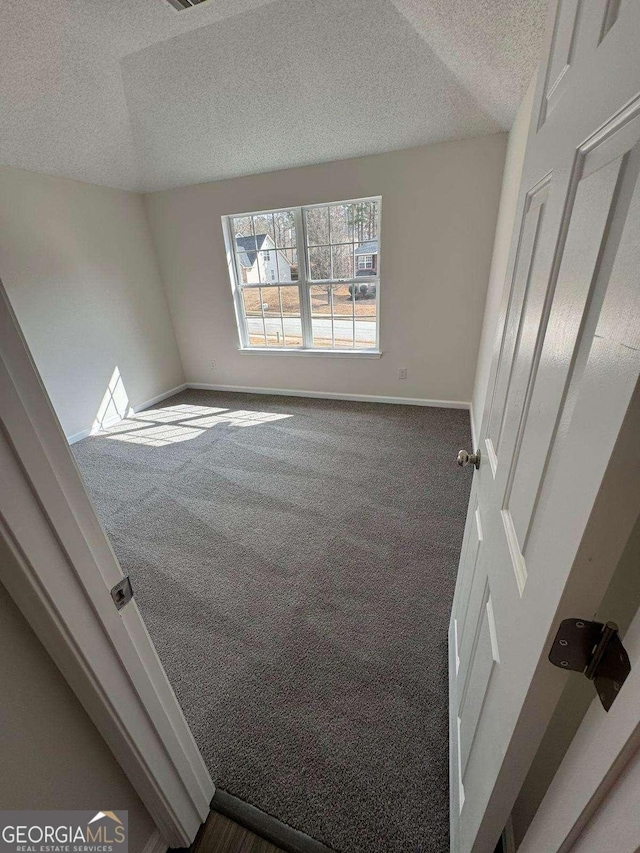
(212,364)
(402,373)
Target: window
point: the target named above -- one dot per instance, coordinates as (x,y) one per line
(306,278)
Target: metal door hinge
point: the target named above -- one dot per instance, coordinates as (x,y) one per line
(595,650)
(122,593)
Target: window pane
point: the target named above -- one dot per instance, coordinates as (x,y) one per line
(285,229)
(263,224)
(365,220)
(286,270)
(273,316)
(268,266)
(320,262)
(322,316)
(246,251)
(343,317)
(288,261)
(366,316)
(342,261)
(252,298)
(341,216)
(289,305)
(342,301)
(317,225)
(242,226)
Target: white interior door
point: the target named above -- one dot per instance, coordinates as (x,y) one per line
(551,501)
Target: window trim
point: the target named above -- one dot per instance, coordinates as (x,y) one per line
(340,353)
(303,282)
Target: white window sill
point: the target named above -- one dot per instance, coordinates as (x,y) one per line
(332,353)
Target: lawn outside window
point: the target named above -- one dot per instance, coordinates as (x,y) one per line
(306,279)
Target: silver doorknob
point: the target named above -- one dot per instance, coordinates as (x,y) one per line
(465,458)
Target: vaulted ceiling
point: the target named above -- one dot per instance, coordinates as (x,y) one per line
(134,94)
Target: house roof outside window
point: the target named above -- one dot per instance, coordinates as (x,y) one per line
(248,248)
(368,248)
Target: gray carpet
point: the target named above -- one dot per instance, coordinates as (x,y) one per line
(294,560)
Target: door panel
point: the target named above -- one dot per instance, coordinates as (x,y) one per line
(563,48)
(533,502)
(471,552)
(579,27)
(484,656)
(525,272)
(478,596)
(541,408)
(461,641)
(611,12)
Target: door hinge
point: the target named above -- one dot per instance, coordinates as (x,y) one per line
(122,593)
(595,649)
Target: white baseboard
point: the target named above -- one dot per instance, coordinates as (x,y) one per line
(109,422)
(331,395)
(85,433)
(112,421)
(78,436)
(155,844)
(159,398)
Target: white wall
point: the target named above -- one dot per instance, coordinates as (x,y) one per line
(504,230)
(78,264)
(439,209)
(51,754)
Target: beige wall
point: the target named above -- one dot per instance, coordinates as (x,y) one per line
(51,754)
(439,209)
(78,264)
(504,230)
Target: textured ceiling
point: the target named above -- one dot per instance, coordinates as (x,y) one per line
(491,46)
(132,94)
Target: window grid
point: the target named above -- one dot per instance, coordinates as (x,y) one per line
(359,287)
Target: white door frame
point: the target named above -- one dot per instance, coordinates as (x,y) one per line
(602,762)
(66,571)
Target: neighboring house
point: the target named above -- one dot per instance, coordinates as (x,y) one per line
(260,261)
(366,258)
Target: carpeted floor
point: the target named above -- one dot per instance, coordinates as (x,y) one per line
(294,560)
